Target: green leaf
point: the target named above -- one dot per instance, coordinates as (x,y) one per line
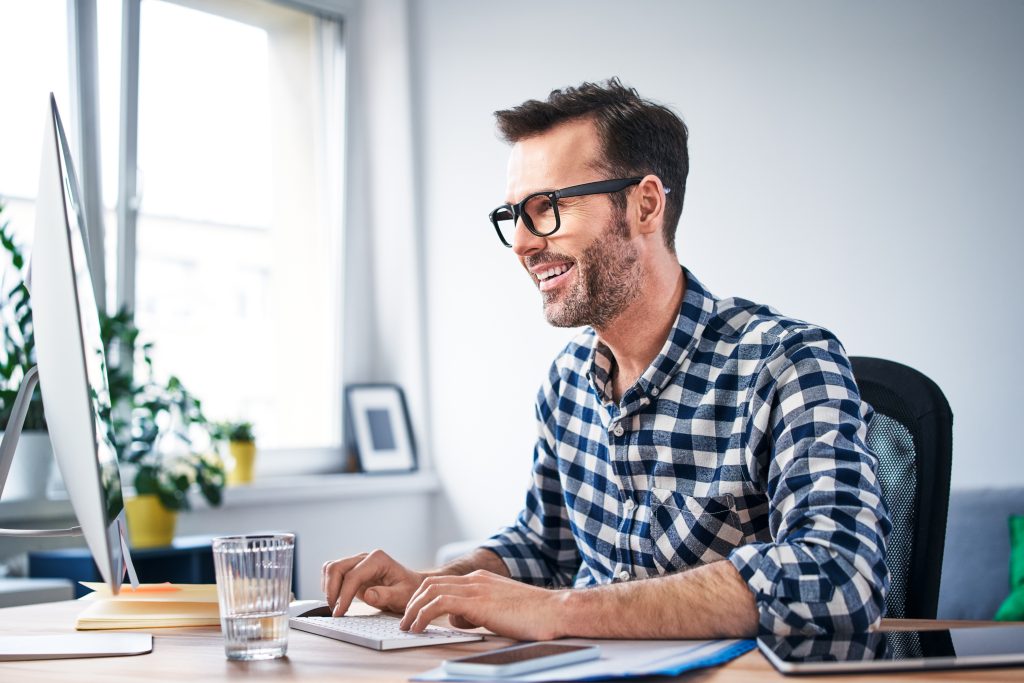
(146,481)
(213,494)
(173,499)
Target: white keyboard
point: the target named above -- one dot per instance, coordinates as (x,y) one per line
(378,631)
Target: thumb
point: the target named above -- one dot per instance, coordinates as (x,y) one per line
(381,598)
(461,622)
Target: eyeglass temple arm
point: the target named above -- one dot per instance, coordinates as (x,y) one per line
(600,187)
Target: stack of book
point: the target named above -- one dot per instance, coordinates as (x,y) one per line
(151,605)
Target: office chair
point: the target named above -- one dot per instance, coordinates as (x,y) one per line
(911,432)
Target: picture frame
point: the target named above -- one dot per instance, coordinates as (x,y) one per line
(378,428)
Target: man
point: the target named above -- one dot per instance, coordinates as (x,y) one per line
(701,467)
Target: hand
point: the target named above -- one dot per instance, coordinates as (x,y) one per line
(504,606)
(374,578)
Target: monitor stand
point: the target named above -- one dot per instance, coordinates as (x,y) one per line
(60,645)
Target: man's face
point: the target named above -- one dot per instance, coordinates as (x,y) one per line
(589,271)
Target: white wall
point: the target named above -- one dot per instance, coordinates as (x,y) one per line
(856,164)
(329,527)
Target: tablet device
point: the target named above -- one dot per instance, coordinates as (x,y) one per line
(984,646)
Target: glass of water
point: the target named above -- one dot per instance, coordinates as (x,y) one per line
(254,579)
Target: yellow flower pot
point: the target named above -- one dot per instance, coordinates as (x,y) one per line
(150,524)
(243,456)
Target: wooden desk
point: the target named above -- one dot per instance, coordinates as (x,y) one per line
(197,654)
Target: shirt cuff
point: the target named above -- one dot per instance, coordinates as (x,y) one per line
(520,557)
(795,596)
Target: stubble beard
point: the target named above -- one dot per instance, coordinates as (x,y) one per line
(608,279)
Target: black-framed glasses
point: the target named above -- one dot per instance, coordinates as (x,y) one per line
(539,211)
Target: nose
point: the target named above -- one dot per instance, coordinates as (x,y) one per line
(524,242)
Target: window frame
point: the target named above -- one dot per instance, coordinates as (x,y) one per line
(84,84)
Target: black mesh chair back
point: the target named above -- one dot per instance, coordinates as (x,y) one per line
(911,432)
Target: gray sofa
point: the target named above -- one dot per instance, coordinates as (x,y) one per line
(976,562)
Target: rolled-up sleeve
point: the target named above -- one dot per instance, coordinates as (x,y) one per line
(824,570)
(539,548)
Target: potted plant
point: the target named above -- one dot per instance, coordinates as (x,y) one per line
(158,429)
(160,434)
(241,448)
(33,460)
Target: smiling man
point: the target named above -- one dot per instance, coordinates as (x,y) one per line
(700,468)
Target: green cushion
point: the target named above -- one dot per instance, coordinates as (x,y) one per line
(1012,608)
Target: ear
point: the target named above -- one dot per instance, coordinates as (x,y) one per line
(650,205)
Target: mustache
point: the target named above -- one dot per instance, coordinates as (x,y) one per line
(547,257)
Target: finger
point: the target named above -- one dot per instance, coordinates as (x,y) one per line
(417,599)
(367,573)
(447,603)
(429,591)
(333,574)
(427,583)
(325,572)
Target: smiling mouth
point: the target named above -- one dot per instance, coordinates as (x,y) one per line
(554,276)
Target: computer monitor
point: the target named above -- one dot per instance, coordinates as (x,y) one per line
(72,369)
(71,373)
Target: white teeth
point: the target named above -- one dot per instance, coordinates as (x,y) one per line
(557,270)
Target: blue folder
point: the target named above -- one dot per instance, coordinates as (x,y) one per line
(626,659)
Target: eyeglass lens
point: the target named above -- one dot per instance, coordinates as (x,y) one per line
(539,214)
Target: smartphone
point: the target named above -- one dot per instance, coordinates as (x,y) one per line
(521,659)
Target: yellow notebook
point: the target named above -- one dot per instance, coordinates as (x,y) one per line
(152,605)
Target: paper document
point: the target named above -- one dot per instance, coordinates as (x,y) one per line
(627,659)
(151,605)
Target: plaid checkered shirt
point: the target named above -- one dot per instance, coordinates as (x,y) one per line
(743,441)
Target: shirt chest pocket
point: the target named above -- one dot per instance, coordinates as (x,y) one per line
(688,531)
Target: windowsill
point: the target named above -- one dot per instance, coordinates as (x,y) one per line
(278,490)
(315,487)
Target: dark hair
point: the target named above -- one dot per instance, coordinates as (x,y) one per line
(639,136)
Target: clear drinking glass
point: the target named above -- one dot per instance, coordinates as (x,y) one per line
(254,579)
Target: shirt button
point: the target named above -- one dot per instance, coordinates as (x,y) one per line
(629,505)
(623,575)
(655,391)
(619,431)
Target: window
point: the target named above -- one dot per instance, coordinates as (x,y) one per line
(229,249)
(33,63)
(238,245)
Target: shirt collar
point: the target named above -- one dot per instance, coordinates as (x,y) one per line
(694,312)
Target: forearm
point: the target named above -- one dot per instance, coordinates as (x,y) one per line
(481,558)
(711,601)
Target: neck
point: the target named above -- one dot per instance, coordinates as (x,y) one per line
(637,335)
